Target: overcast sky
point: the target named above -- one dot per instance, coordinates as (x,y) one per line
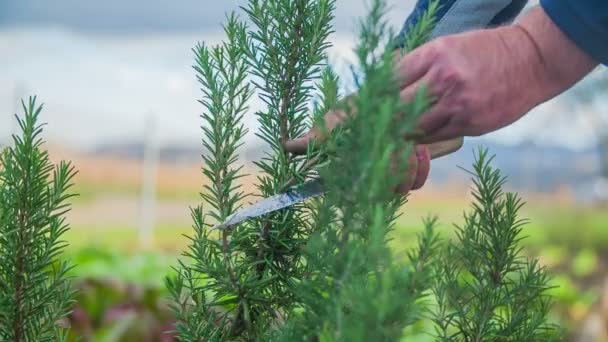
(150,17)
(102,66)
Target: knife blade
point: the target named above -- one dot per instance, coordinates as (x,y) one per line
(311,189)
(301,193)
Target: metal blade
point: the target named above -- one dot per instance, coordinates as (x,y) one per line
(268,205)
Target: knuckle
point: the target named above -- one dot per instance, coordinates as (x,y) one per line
(442,47)
(448,67)
(453,76)
(436,50)
(463,103)
(450,75)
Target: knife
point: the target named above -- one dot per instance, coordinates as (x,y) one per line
(311,189)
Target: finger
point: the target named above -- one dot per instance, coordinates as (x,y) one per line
(318,133)
(423,156)
(445,147)
(410,175)
(412,67)
(300,145)
(408,94)
(431,122)
(448,132)
(419,165)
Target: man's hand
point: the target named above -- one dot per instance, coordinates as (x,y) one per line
(487,79)
(481,80)
(418,163)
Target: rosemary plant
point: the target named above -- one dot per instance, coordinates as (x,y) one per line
(217,269)
(354,289)
(486,290)
(35,292)
(239,285)
(322,271)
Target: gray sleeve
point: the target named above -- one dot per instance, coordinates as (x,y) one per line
(456,16)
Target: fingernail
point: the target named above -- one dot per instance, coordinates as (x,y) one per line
(422,153)
(423,156)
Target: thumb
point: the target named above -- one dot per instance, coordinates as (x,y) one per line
(330,121)
(300,145)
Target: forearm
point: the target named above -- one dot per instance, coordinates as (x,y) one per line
(556,62)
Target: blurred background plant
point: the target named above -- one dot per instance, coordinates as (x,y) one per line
(128,71)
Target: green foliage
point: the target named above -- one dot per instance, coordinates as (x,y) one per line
(355,291)
(485,288)
(35,292)
(323,271)
(221,72)
(420,33)
(240,279)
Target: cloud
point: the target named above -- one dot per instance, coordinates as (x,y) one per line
(99,88)
(116,17)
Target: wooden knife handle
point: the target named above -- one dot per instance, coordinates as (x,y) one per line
(442,148)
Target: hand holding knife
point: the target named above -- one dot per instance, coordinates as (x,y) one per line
(311,189)
(449,22)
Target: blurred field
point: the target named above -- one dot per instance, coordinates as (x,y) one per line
(570,239)
(108,204)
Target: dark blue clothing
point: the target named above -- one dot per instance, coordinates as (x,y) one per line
(583,21)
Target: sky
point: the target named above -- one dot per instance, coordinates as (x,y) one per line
(106,70)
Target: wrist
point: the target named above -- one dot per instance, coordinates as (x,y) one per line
(525,77)
(555,63)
